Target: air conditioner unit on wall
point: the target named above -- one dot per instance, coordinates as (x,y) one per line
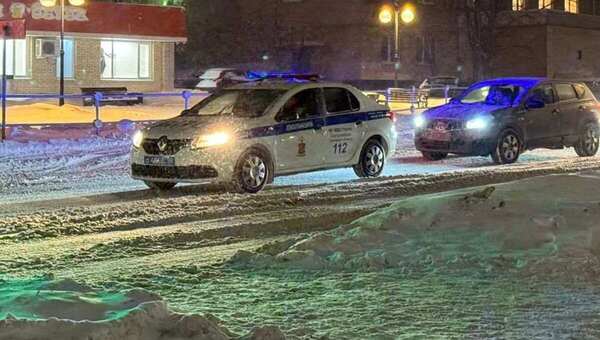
(46,48)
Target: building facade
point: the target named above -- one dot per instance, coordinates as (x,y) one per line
(106,45)
(343,39)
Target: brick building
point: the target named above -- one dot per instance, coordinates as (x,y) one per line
(342,39)
(106,45)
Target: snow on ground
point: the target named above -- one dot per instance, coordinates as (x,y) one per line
(47,309)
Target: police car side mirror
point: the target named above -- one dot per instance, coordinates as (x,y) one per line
(534,103)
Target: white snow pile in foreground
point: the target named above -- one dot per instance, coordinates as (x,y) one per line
(541,226)
(41,309)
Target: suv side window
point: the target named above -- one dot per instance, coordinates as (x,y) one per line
(340,100)
(545,93)
(582,91)
(565,92)
(302,105)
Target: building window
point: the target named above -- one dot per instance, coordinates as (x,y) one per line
(16,58)
(518,5)
(69,60)
(545,4)
(125,59)
(424,49)
(572,6)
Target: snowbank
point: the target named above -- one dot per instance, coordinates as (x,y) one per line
(43,309)
(533,226)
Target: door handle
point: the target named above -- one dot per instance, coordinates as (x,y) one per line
(358,123)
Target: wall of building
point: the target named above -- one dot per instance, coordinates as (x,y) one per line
(575,53)
(521,51)
(42,74)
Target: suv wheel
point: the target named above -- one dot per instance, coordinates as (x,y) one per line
(589,141)
(160,186)
(372,160)
(434,156)
(508,149)
(252,172)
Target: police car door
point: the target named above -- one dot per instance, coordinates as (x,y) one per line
(344,123)
(299,143)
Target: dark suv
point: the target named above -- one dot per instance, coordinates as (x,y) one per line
(504,117)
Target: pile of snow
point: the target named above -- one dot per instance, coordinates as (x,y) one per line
(540,226)
(46,309)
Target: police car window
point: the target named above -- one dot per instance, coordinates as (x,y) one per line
(545,93)
(302,105)
(340,100)
(238,103)
(500,95)
(565,92)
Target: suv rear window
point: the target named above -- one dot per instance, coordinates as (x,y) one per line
(565,92)
(582,92)
(340,100)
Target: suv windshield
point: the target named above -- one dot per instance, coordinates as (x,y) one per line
(500,95)
(238,103)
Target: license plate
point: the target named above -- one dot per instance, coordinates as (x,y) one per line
(438,135)
(159,161)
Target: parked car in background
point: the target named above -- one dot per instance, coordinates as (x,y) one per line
(436,86)
(217,78)
(505,117)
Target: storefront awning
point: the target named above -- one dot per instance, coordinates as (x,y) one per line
(101,19)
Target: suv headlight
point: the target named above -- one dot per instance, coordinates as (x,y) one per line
(477,124)
(419,121)
(211,139)
(137,139)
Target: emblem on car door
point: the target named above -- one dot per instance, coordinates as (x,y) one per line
(163,143)
(301,148)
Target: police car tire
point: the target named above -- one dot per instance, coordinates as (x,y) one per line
(588,143)
(239,185)
(434,156)
(512,140)
(361,169)
(160,186)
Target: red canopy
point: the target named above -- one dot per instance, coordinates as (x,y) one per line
(105,19)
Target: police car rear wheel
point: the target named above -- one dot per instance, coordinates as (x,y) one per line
(160,186)
(252,172)
(372,160)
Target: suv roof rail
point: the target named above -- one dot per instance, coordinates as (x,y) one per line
(260,76)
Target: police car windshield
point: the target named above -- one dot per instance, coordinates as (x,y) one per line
(499,95)
(237,102)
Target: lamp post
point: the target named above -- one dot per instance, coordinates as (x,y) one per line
(52,3)
(397,13)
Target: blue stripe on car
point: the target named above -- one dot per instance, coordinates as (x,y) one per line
(309,124)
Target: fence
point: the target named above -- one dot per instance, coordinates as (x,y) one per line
(417,97)
(97,99)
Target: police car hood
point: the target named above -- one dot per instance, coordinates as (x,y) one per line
(189,127)
(460,111)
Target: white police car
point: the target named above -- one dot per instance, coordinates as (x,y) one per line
(248,134)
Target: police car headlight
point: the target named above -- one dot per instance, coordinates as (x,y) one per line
(138,139)
(212,139)
(477,124)
(419,121)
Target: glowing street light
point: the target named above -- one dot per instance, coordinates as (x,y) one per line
(406,14)
(52,3)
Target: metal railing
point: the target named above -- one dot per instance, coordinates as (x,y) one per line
(97,101)
(416,97)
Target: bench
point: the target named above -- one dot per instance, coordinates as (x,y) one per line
(111,95)
(419,97)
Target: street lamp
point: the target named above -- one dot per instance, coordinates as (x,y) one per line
(52,3)
(397,13)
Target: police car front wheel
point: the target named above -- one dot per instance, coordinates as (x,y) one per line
(372,160)
(252,172)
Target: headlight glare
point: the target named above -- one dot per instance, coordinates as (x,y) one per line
(477,124)
(137,139)
(211,139)
(419,121)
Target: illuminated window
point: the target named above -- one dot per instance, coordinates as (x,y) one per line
(545,4)
(125,59)
(69,60)
(16,58)
(571,6)
(518,5)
